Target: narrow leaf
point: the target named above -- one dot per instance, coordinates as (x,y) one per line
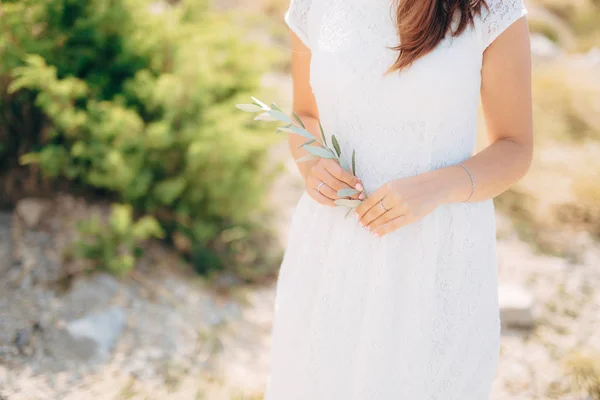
(336,145)
(297,118)
(259,103)
(278,115)
(319,152)
(248,107)
(307,157)
(344,164)
(274,107)
(347,192)
(297,130)
(322,133)
(347,203)
(307,143)
(264,117)
(354,162)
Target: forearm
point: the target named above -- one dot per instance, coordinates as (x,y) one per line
(295,141)
(494,170)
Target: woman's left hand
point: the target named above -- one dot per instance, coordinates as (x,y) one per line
(401,202)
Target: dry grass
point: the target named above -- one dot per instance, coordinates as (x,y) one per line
(584,370)
(561,194)
(583,16)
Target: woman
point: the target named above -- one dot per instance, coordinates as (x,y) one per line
(401,302)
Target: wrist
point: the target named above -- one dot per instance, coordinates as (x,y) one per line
(454,184)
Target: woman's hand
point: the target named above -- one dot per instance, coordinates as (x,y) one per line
(402,202)
(326,177)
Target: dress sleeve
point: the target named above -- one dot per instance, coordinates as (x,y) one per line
(296,18)
(498,16)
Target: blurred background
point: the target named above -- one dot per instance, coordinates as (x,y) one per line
(143,218)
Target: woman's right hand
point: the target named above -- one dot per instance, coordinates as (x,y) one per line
(326,177)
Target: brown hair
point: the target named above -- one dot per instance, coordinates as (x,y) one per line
(422,24)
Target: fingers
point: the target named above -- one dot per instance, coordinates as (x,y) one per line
(392,225)
(383,217)
(312,188)
(320,172)
(339,173)
(371,202)
(315,184)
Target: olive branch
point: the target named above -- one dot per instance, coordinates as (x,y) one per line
(317,148)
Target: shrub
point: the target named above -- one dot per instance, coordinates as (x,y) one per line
(139,105)
(115,246)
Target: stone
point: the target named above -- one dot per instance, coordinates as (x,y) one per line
(516,306)
(31,210)
(100,331)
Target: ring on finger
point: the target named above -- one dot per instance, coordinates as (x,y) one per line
(320,186)
(382,206)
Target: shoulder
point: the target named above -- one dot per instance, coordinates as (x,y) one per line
(496,16)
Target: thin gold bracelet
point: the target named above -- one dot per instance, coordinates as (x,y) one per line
(472,181)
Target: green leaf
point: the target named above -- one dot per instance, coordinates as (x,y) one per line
(169,190)
(274,107)
(248,107)
(307,143)
(347,203)
(297,130)
(259,103)
(354,162)
(146,228)
(297,118)
(121,218)
(264,117)
(344,164)
(336,145)
(322,133)
(278,115)
(307,157)
(319,152)
(347,192)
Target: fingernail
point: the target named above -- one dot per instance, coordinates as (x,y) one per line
(356,216)
(359,187)
(377,234)
(368,229)
(361,196)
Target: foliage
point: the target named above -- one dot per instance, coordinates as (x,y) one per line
(294,125)
(115,246)
(137,102)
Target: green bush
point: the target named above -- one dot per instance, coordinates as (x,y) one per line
(139,105)
(115,246)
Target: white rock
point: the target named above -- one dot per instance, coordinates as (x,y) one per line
(31,210)
(102,329)
(516,306)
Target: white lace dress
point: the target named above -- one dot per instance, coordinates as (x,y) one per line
(413,315)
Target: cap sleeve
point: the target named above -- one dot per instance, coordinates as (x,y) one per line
(296,18)
(498,16)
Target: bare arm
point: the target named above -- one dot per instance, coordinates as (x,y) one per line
(323,177)
(304,104)
(506,99)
